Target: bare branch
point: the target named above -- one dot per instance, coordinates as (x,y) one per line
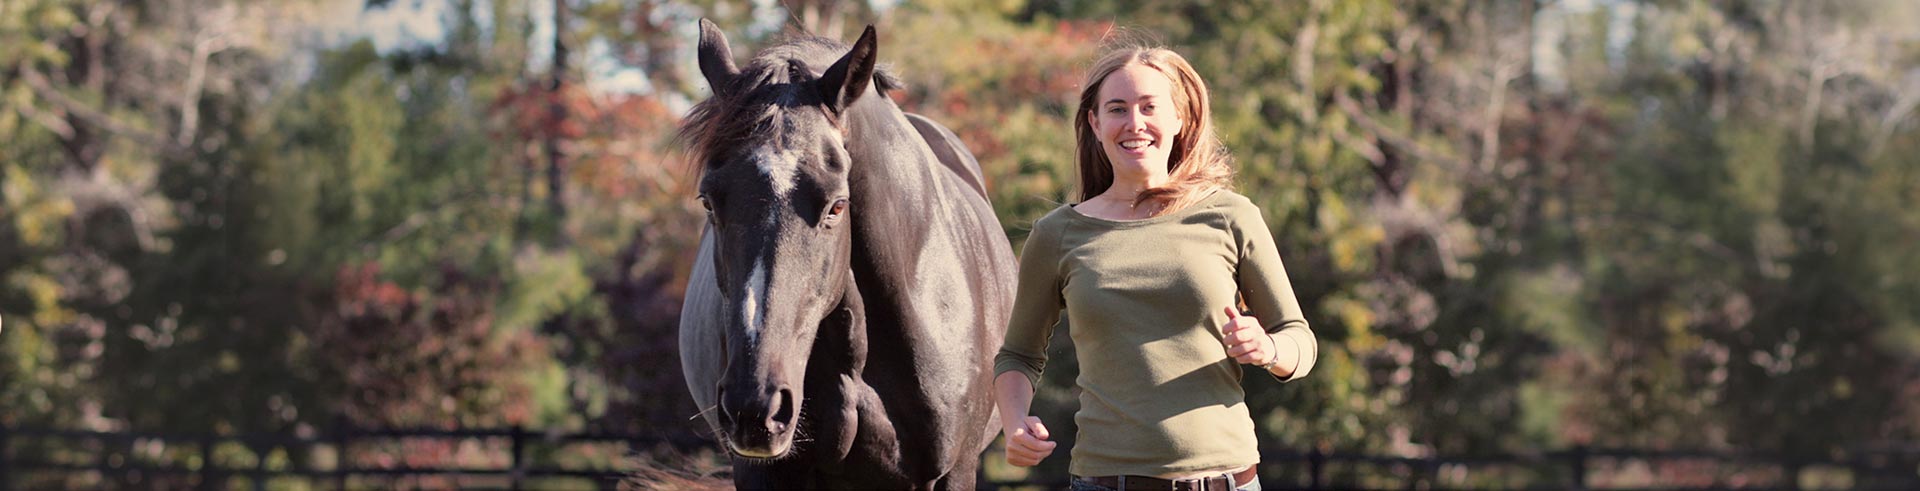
(205,45)
(46,91)
(1388,135)
(1365,148)
(1508,66)
(49,121)
(1303,47)
(1903,105)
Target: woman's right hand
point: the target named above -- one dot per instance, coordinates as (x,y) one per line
(1027,442)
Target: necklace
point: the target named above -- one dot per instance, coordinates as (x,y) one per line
(1153,207)
(1132,206)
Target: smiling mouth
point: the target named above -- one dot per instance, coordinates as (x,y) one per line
(1135,144)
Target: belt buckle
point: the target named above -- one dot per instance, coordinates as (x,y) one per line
(1205,483)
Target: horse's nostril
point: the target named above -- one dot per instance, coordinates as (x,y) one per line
(783,409)
(726,415)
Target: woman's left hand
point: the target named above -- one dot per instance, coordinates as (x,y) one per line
(1246,341)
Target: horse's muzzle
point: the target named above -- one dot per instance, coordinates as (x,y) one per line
(759,423)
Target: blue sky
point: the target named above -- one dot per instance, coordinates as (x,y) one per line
(406,23)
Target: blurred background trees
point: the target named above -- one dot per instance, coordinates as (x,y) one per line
(1515,225)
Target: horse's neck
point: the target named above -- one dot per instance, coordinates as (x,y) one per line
(932,274)
(903,199)
(906,218)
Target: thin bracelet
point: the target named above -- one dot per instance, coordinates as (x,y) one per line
(1276,354)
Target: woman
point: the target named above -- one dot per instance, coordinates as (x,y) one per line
(1148,266)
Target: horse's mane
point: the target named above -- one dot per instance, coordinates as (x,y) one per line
(730,115)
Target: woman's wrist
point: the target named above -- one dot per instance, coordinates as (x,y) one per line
(1275,359)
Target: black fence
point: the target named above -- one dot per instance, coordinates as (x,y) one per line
(36,458)
(1583,468)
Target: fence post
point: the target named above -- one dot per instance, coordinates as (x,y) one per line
(110,444)
(1414,468)
(6,449)
(342,455)
(260,466)
(102,460)
(206,463)
(1316,469)
(1430,470)
(519,446)
(342,460)
(1578,459)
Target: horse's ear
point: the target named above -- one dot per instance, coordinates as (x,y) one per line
(849,77)
(716,57)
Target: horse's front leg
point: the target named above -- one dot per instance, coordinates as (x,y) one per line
(876,443)
(965,473)
(833,378)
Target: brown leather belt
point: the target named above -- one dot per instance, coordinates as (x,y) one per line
(1144,483)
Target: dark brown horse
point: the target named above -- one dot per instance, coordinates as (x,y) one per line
(852,284)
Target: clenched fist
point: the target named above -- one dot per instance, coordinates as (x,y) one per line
(1027,442)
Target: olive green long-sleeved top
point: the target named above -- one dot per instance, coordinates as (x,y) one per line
(1159,395)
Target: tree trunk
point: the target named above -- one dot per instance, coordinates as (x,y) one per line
(557,112)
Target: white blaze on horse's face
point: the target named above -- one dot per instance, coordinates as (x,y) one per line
(781,169)
(750,305)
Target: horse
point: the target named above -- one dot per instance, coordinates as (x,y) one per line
(852,283)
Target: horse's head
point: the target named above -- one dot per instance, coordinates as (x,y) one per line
(774,164)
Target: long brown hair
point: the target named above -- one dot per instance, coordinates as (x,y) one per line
(1197,163)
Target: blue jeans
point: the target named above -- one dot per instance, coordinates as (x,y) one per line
(1079,485)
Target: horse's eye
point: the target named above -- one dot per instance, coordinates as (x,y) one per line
(839,208)
(708,204)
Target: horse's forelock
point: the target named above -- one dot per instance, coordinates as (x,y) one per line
(714,124)
(819,53)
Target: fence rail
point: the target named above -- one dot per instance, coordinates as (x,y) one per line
(111,456)
(1578,468)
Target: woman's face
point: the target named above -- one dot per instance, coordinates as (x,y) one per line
(1135,120)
